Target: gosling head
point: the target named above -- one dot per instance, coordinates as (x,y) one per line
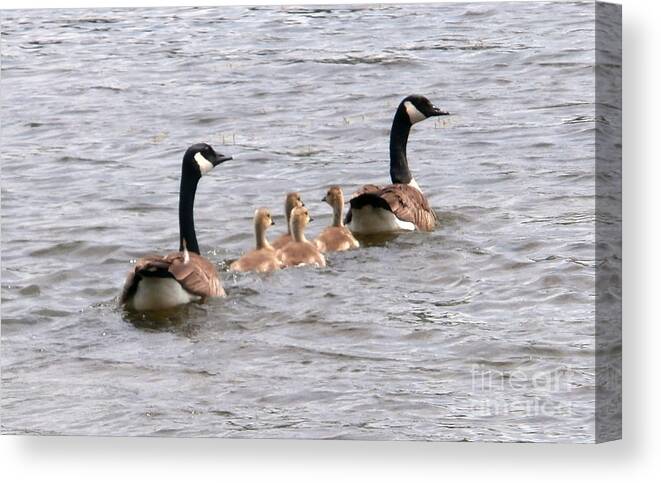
(263,219)
(293,200)
(334,196)
(300,217)
(201,158)
(418,108)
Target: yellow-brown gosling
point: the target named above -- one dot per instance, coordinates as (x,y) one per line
(293,200)
(300,251)
(337,237)
(263,258)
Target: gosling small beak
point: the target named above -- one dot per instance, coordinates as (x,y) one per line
(323,199)
(272,222)
(310,219)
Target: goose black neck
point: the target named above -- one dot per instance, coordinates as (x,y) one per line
(186,201)
(399,136)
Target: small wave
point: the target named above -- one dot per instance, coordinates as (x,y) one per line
(108,88)
(564,64)
(582,119)
(565,219)
(30,290)
(542,144)
(77,21)
(385,59)
(58,249)
(476,46)
(45,42)
(53,313)
(308,11)
(561,105)
(477,12)
(579,119)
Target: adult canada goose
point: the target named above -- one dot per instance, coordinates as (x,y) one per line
(337,237)
(161,282)
(292,200)
(401,205)
(263,257)
(300,251)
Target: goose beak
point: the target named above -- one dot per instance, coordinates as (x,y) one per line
(221,158)
(323,199)
(439,112)
(272,222)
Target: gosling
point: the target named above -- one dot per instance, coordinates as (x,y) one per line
(337,237)
(293,200)
(263,258)
(300,251)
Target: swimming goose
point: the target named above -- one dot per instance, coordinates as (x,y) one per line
(300,251)
(401,205)
(292,201)
(337,237)
(162,282)
(262,258)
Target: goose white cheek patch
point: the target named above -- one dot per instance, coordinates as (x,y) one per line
(204,164)
(414,114)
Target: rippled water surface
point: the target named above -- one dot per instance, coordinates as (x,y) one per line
(482,330)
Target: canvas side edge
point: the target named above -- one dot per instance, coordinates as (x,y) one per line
(608,221)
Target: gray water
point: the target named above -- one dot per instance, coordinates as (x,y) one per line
(482,330)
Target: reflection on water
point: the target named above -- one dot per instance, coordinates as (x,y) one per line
(180,319)
(392,341)
(376,239)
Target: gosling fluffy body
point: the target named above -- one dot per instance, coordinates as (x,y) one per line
(337,237)
(300,251)
(263,258)
(292,200)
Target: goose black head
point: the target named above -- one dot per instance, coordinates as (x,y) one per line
(418,108)
(202,158)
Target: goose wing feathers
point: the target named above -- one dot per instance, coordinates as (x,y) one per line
(406,202)
(368,188)
(197,276)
